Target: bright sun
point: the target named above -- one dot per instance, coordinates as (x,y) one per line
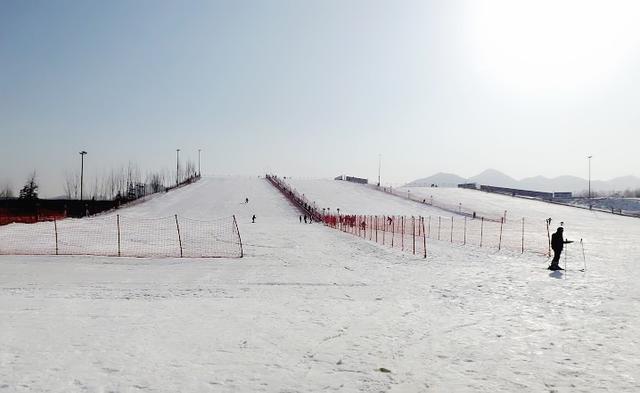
(552,46)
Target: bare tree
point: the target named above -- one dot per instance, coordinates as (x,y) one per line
(71,185)
(155,180)
(190,170)
(6,191)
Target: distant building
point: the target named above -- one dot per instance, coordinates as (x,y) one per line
(472,186)
(517,192)
(352,179)
(562,195)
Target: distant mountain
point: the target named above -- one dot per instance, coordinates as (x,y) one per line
(560,183)
(441,179)
(538,183)
(620,183)
(494,178)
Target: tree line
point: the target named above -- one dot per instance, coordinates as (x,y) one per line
(124,183)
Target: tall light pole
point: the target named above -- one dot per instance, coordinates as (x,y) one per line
(589,158)
(82,154)
(177,166)
(199,171)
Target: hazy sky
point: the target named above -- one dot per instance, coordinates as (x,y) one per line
(318,89)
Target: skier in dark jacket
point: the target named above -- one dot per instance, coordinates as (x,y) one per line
(557,245)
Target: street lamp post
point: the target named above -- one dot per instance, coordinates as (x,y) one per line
(589,158)
(177,166)
(82,154)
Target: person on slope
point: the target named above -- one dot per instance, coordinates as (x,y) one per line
(557,245)
(253,219)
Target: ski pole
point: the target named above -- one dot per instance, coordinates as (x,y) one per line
(566,251)
(584,259)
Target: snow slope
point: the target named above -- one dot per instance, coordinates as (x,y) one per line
(352,198)
(314,309)
(609,240)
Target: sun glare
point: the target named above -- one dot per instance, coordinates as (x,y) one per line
(552,46)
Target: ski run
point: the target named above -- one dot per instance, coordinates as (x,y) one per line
(312,309)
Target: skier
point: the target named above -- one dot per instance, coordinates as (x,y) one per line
(246,200)
(253,219)
(557,244)
(305,218)
(300,219)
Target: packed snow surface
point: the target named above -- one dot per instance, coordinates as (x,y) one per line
(310,308)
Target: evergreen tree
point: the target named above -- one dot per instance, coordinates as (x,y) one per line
(30,189)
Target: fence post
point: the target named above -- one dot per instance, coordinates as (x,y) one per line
(179,238)
(429,228)
(384,227)
(548,221)
(413,225)
(239,238)
(118,224)
(393,230)
(481,229)
(439,222)
(402,231)
(376,229)
(364,227)
(523,235)
(464,241)
(451,229)
(370,227)
(500,241)
(424,239)
(55,228)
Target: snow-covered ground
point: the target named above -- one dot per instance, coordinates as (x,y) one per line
(314,309)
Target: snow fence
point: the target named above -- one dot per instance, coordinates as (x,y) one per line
(124,236)
(412,234)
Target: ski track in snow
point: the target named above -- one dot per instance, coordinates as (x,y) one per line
(313,309)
